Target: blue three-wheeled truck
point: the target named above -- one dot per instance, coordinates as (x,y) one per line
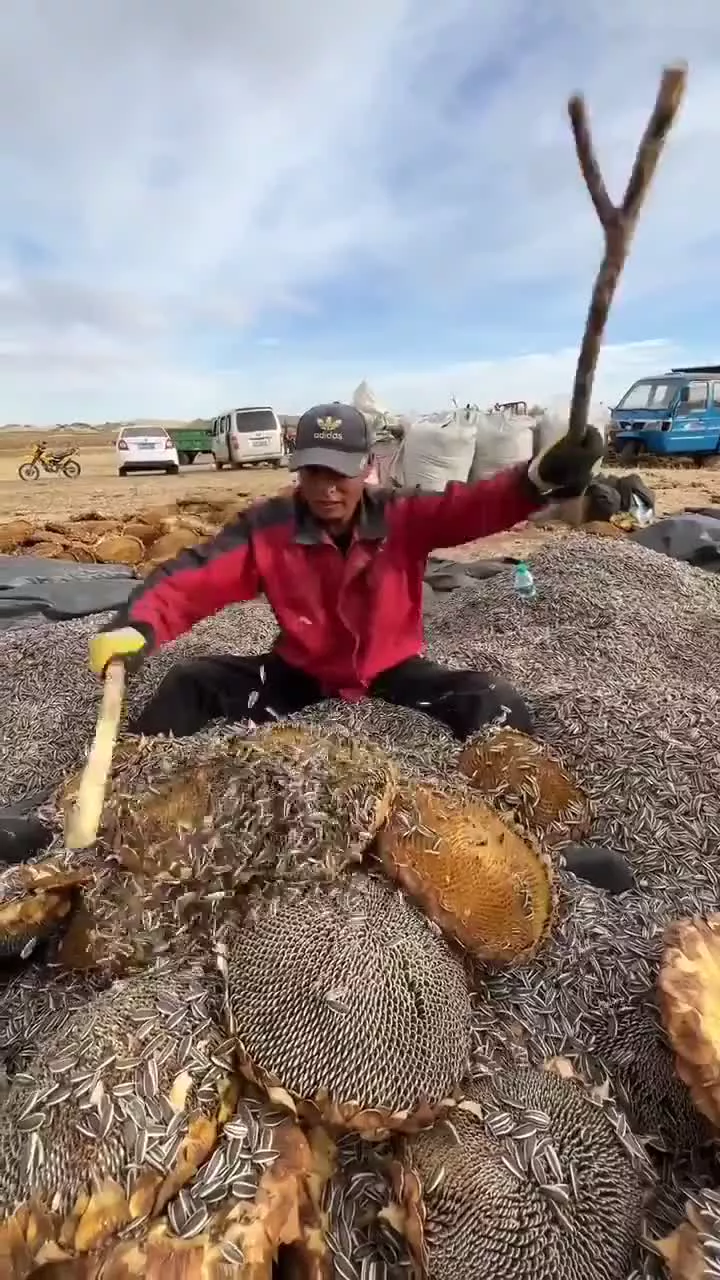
(675,414)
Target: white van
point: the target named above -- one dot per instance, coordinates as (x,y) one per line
(247,437)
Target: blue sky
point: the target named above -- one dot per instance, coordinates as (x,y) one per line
(221,203)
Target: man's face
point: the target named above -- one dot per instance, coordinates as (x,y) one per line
(333,499)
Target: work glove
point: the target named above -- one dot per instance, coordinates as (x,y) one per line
(564,469)
(127,644)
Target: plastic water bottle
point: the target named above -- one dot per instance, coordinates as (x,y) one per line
(524,583)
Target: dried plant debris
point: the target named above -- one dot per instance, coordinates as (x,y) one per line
(345,999)
(692,1252)
(532,1175)
(518,773)
(481,879)
(35,898)
(188,828)
(114,1113)
(252,1197)
(689,992)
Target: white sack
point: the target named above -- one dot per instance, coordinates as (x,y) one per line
(436,450)
(501,440)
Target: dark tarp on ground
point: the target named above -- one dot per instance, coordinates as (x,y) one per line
(449,575)
(34,590)
(713,513)
(692,538)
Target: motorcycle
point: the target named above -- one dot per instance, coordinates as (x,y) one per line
(54,464)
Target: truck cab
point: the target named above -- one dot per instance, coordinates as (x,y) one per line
(677,413)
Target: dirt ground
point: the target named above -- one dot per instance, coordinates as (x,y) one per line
(100,489)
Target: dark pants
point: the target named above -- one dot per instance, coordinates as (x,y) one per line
(266,688)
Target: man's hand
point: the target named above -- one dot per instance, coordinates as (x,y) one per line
(125,644)
(564,469)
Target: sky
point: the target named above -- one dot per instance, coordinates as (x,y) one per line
(223,203)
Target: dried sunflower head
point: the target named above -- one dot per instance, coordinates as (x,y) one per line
(689,996)
(529,1177)
(345,999)
(36,897)
(519,774)
(182,840)
(114,1113)
(480,878)
(253,1196)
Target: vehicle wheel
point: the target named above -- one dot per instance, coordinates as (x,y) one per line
(218,464)
(190,458)
(237,466)
(122,472)
(28,471)
(628,453)
(712,462)
(184,458)
(172,471)
(71,469)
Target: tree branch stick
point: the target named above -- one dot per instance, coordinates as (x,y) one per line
(618,223)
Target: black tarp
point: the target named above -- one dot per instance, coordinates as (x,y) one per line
(449,575)
(33,590)
(695,539)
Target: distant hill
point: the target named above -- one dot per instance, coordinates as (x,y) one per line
(95,428)
(80,428)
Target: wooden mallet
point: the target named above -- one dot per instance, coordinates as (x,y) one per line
(83,820)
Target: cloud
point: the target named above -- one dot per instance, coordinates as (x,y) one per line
(209,204)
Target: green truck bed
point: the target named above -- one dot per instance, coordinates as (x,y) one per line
(191,440)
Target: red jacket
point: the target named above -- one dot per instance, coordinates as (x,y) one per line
(343,618)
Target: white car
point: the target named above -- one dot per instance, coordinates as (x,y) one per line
(146,448)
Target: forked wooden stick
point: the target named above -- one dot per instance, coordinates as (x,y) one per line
(84,818)
(618,223)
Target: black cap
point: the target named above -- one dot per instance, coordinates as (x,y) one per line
(335,436)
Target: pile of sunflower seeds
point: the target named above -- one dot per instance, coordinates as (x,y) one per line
(616,658)
(49,698)
(99,1098)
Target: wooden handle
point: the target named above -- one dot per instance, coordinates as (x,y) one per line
(84,818)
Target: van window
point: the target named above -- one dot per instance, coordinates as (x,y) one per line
(255,420)
(716,395)
(694,396)
(650,394)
